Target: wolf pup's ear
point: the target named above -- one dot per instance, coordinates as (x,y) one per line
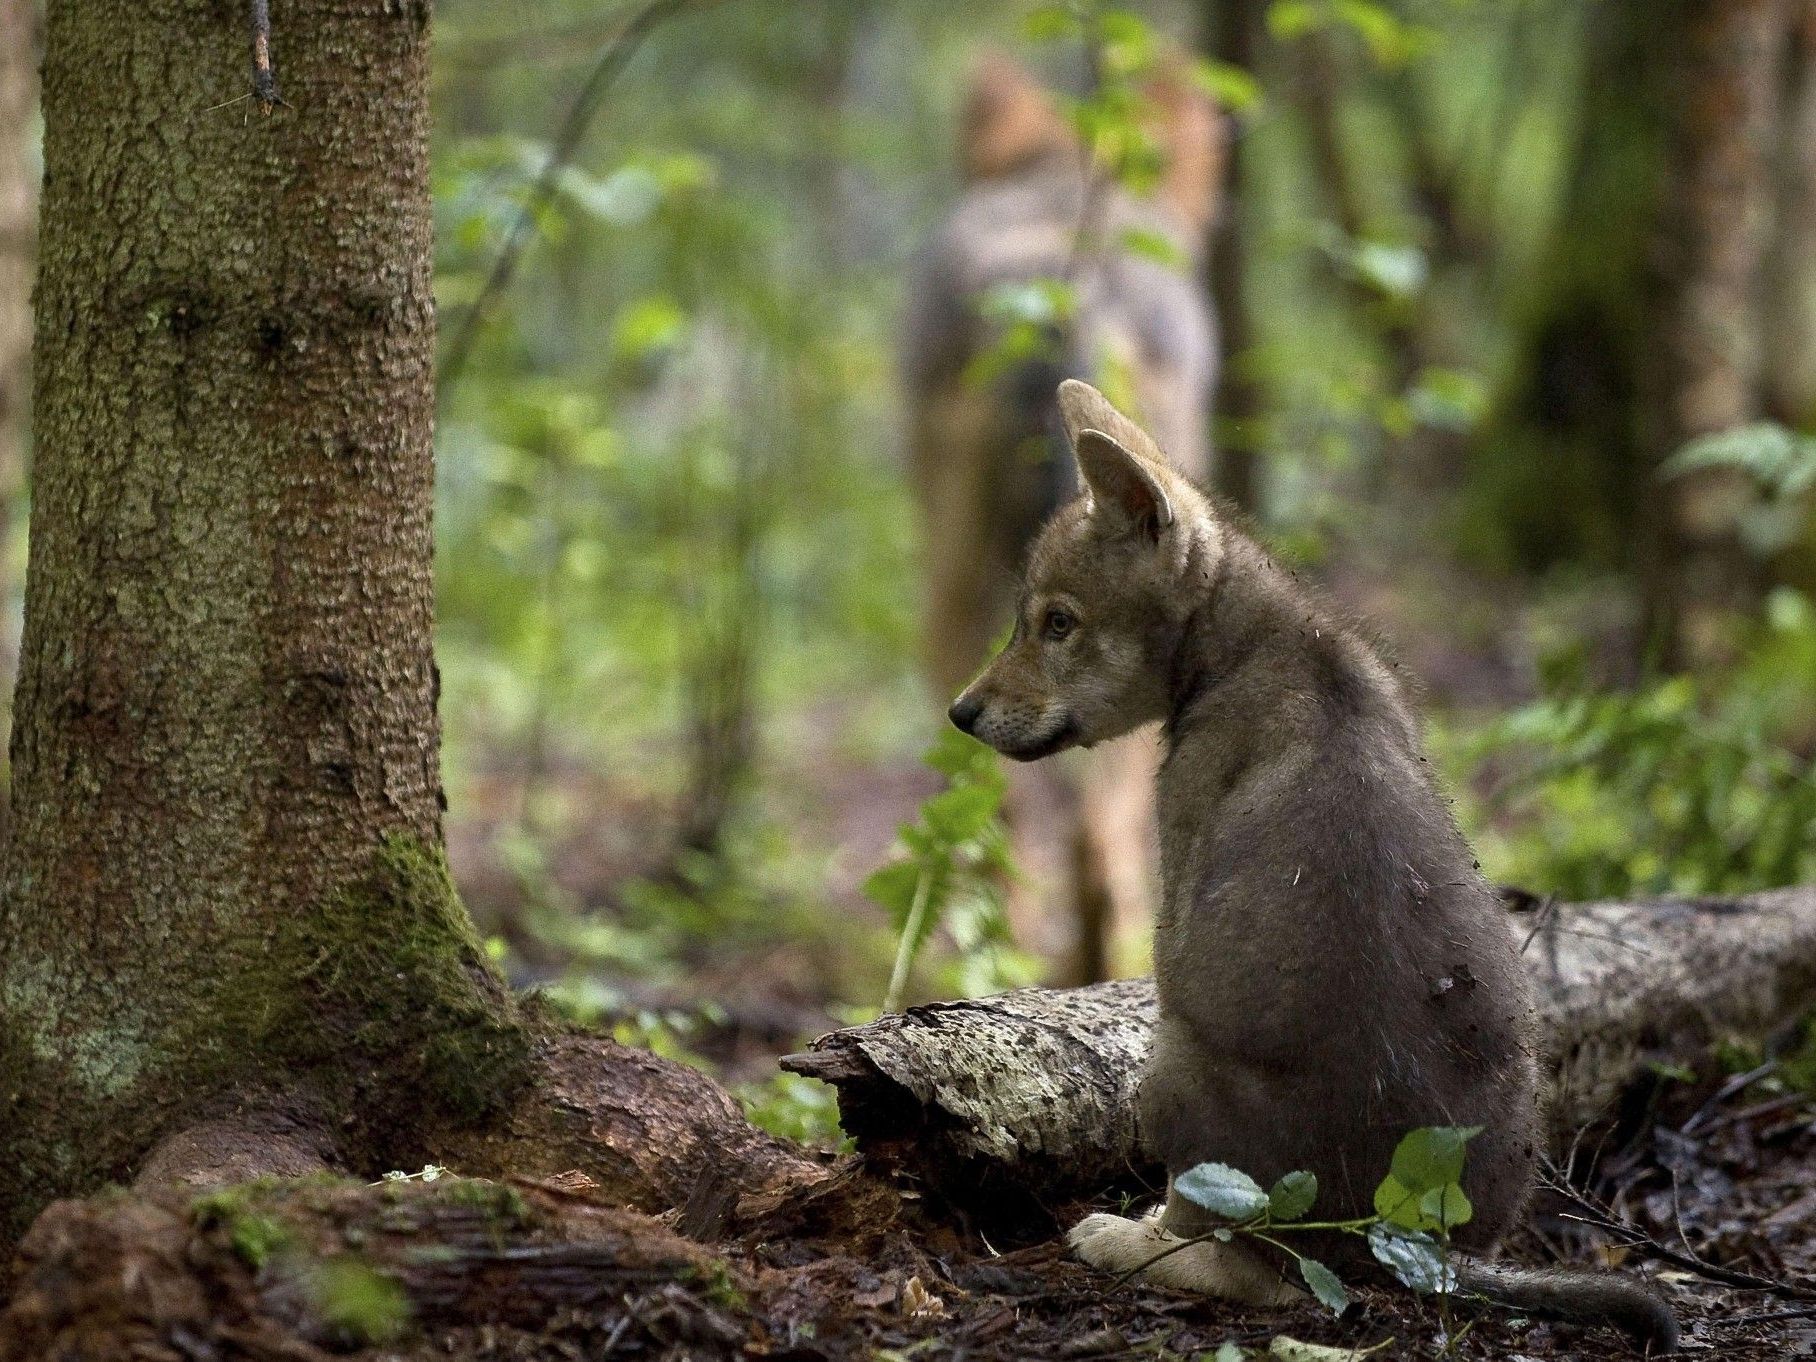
(1083,408)
(1126,489)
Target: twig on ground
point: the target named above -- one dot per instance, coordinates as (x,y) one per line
(1732,1088)
(1636,1240)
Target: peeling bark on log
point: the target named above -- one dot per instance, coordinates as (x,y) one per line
(1033,1092)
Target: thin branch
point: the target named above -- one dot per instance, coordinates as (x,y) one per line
(264,78)
(613,56)
(1630,1236)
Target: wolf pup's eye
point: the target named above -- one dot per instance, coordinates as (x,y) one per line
(1059,623)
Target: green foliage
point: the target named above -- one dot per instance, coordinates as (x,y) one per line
(1782,465)
(1222,1190)
(254,1235)
(671,458)
(952,862)
(796,1108)
(1292,1196)
(1417,1204)
(1324,1284)
(1689,784)
(1391,40)
(1413,1256)
(359,1304)
(1422,1190)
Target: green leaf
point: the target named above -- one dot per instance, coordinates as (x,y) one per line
(1448,399)
(1398,1203)
(892,887)
(1415,1258)
(1396,272)
(1156,246)
(1390,40)
(1778,457)
(1444,1208)
(961,813)
(647,327)
(1292,1196)
(1232,87)
(1228,1351)
(1222,1190)
(1432,1156)
(1051,23)
(1325,1285)
(1289,19)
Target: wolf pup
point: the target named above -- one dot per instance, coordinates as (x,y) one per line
(988,461)
(1316,889)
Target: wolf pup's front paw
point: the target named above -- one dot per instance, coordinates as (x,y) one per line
(1115,1243)
(1233,1272)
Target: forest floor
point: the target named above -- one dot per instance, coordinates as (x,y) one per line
(539,1271)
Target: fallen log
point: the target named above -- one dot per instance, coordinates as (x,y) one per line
(1032,1093)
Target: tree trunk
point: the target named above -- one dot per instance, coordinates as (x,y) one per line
(1233,36)
(225,884)
(1032,1094)
(1714,232)
(1560,467)
(18,201)
(1790,326)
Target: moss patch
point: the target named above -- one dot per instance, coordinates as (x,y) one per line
(396,983)
(384,1000)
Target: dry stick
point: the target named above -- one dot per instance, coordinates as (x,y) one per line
(1599,1217)
(1735,1085)
(612,59)
(264,79)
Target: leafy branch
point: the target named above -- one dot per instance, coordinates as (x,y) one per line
(953,862)
(1417,1205)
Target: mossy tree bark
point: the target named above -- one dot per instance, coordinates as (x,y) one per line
(18,221)
(224,892)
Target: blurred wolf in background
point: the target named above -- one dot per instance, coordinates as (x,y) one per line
(988,459)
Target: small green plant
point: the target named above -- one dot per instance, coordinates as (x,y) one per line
(1417,1205)
(804,1110)
(359,1304)
(1690,784)
(953,862)
(1782,465)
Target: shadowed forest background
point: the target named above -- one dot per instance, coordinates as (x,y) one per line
(1516,308)
(1457,263)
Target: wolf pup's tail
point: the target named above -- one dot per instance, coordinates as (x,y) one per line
(1578,1297)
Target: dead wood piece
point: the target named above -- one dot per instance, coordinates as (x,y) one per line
(158,1273)
(217,1153)
(644,1129)
(1034,1091)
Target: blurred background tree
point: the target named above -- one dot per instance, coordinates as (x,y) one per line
(1518,310)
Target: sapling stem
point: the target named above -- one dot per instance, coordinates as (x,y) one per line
(905,948)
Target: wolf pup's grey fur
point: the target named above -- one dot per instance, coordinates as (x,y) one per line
(1333,971)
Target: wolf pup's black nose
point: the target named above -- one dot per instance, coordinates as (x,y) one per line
(964,713)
